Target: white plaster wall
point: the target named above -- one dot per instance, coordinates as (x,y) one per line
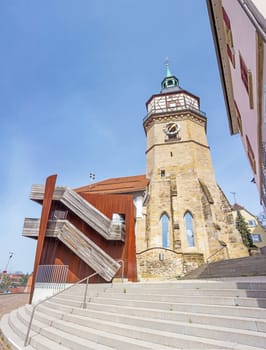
(244,40)
(42,292)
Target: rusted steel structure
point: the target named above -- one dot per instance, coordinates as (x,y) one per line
(88,232)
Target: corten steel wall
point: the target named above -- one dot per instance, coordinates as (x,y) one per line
(55,252)
(121,204)
(46,210)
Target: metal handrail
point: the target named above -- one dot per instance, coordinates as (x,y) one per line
(50,297)
(217,251)
(123,268)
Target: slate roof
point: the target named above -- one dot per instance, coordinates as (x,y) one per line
(128,184)
(237,207)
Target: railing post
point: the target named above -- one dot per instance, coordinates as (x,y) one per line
(227,252)
(121,261)
(29,326)
(52,296)
(208,271)
(224,246)
(85,294)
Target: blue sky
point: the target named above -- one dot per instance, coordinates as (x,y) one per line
(75,76)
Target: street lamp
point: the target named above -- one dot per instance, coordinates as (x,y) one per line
(5,270)
(234,195)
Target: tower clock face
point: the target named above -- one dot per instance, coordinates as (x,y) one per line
(171,128)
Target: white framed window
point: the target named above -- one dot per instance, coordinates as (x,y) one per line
(138,202)
(252,223)
(256,237)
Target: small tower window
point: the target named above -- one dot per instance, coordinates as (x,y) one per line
(170,82)
(162,173)
(165,231)
(189,229)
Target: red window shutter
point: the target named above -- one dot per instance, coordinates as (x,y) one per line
(238,117)
(226,19)
(244,72)
(251,155)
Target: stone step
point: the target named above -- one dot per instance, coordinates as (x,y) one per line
(202,290)
(15,330)
(176,285)
(89,337)
(210,284)
(15,340)
(42,339)
(190,292)
(230,311)
(238,311)
(160,331)
(248,266)
(163,316)
(173,298)
(110,313)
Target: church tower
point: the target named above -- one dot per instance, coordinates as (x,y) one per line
(187,216)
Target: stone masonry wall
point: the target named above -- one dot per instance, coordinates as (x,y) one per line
(162,264)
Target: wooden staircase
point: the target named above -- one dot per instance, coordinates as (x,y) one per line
(78,243)
(84,210)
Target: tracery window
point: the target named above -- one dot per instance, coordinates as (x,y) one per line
(165,231)
(189,229)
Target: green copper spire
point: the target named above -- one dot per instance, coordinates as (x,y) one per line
(170,81)
(168,72)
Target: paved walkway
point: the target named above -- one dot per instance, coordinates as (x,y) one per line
(9,302)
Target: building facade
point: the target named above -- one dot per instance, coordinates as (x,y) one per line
(182,216)
(239,33)
(157,226)
(186,213)
(257,231)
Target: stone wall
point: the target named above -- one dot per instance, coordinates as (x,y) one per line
(192,261)
(162,264)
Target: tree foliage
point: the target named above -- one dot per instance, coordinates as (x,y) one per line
(242,227)
(5,282)
(24,280)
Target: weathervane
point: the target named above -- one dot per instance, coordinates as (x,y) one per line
(92,177)
(166,61)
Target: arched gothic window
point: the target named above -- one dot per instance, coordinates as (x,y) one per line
(189,229)
(165,231)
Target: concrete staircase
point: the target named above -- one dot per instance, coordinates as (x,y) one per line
(198,314)
(248,266)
